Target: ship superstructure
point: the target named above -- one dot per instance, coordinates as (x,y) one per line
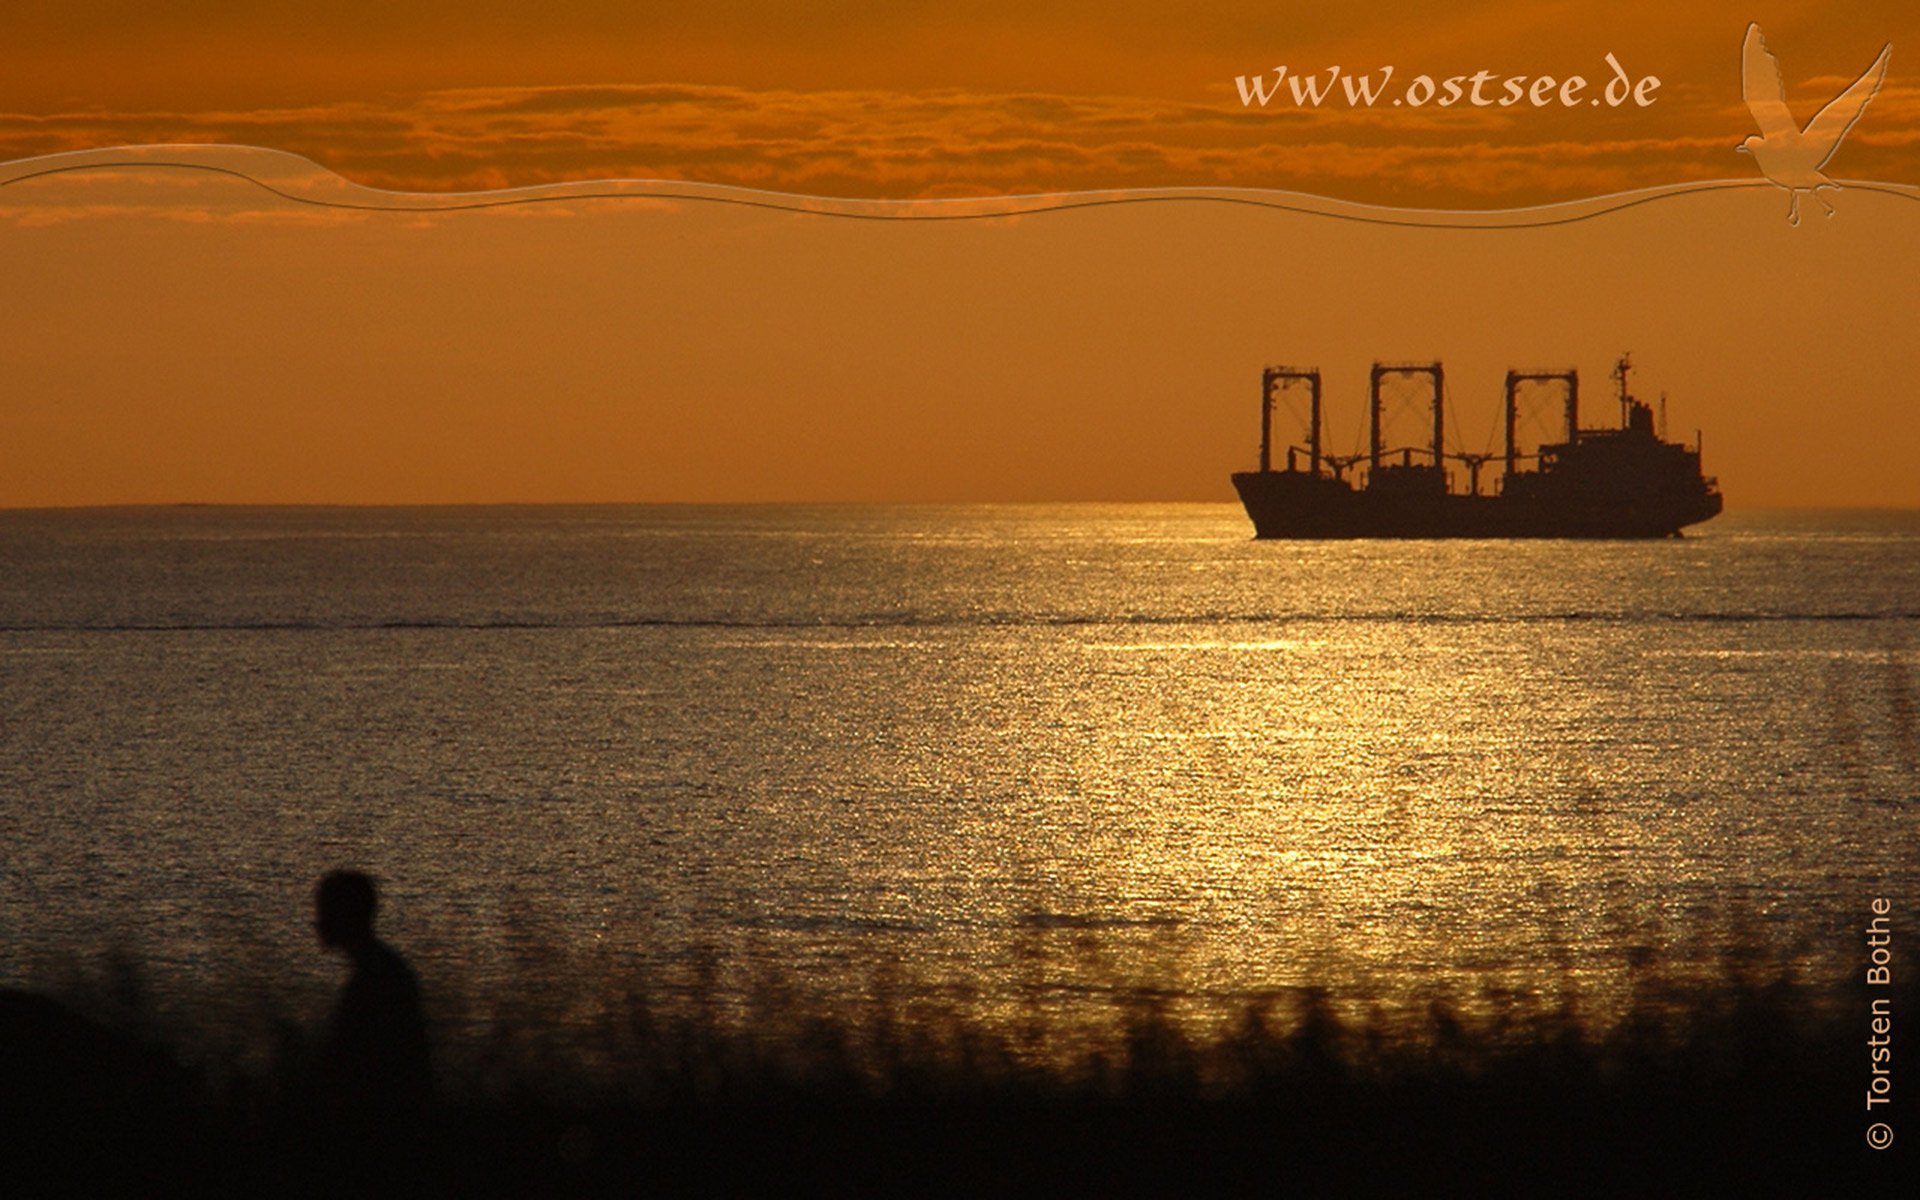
(1621,482)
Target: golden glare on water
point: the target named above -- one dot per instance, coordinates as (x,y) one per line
(1029,772)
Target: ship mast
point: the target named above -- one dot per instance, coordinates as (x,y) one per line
(1272,380)
(1620,373)
(1570,377)
(1433,371)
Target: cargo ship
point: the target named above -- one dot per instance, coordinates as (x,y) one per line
(1622,482)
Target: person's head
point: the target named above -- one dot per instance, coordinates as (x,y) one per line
(343,908)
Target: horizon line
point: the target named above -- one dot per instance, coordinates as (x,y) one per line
(469,504)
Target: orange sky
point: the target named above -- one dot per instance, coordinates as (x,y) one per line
(904,99)
(189,339)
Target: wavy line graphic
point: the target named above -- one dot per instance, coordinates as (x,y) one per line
(299,180)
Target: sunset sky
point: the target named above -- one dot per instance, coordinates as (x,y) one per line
(851,97)
(190,339)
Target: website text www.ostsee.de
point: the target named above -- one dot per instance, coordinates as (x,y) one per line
(1482,89)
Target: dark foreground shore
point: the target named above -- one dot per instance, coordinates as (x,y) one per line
(1750,1097)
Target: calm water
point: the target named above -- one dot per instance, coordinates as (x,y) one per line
(1012,766)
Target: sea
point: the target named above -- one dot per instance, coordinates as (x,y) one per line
(1023,772)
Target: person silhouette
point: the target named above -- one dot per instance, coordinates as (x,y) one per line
(374,1061)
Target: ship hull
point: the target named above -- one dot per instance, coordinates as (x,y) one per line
(1289,504)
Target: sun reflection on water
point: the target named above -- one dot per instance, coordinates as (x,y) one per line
(971,784)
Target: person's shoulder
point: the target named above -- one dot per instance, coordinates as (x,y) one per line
(383,966)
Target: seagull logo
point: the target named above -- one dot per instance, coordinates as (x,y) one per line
(1789,155)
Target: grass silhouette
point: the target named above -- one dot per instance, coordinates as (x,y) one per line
(1739,1088)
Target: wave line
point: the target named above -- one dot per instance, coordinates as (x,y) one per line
(367,199)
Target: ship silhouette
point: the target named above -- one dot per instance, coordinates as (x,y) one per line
(1623,482)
